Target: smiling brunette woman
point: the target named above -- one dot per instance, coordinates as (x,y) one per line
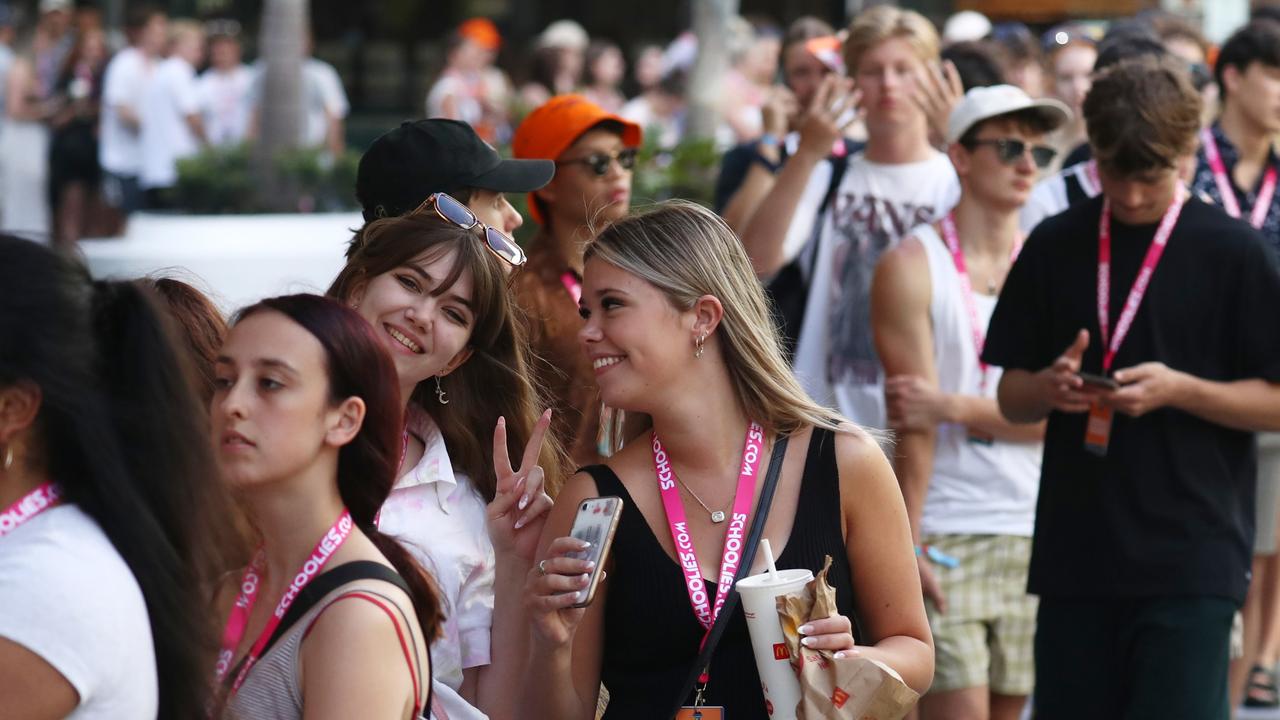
(678,329)
(307,431)
(433,286)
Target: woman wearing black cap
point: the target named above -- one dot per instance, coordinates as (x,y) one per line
(429,273)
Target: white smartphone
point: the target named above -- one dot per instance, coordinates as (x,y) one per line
(596,523)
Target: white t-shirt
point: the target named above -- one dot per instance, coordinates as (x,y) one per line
(876,205)
(225,104)
(170,98)
(1049,196)
(67,595)
(976,487)
(125,81)
(439,516)
(322,96)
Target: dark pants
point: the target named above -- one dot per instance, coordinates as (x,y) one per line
(1161,658)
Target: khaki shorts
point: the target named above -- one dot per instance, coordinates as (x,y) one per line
(986,638)
(1268,497)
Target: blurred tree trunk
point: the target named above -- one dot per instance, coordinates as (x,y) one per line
(283,48)
(710,23)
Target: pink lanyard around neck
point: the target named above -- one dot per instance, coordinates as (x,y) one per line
(1261,204)
(952,239)
(28,506)
(731,554)
(238,621)
(1140,283)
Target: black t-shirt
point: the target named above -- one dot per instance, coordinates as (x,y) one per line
(1170,509)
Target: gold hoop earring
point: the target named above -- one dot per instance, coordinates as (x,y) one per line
(699,345)
(441,396)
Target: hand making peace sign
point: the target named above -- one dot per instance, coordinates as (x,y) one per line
(510,529)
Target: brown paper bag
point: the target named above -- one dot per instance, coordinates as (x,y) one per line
(849,688)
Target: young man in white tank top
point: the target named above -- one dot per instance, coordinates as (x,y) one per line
(969,477)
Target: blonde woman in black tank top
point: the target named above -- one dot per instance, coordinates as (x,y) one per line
(680,335)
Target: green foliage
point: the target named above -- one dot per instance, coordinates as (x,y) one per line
(220,181)
(687,171)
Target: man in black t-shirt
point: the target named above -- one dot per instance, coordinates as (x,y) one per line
(1143,536)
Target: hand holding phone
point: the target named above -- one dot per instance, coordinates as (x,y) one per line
(596,523)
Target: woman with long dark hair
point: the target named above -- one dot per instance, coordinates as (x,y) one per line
(307,430)
(113,529)
(433,287)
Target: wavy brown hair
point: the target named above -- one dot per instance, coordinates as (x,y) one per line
(494,381)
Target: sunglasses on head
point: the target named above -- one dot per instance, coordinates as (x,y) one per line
(454,211)
(1010,151)
(599,162)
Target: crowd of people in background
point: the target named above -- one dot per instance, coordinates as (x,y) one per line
(93,129)
(996,312)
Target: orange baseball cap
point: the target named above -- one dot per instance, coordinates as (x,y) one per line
(482,32)
(556,124)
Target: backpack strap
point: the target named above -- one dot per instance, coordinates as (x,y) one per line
(329,581)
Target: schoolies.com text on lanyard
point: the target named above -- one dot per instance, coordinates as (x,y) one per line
(735,533)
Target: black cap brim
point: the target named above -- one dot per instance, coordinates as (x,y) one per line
(517,176)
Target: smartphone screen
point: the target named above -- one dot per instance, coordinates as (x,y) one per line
(1099,381)
(596,523)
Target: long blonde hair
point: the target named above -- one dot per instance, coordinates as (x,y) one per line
(687,251)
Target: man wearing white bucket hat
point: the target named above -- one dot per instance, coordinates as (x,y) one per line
(969,477)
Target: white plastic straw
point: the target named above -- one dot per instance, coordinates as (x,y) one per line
(768,558)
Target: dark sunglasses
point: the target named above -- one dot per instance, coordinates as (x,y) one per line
(452,210)
(599,162)
(1010,151)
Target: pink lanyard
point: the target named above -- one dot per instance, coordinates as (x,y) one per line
(573,285)
(1140,283)
(27,507)
(952,239)
(732,553)
(238,621)
(1261,204)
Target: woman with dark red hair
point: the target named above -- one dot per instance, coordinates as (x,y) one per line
(331,613)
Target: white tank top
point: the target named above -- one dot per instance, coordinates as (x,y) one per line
(976,488)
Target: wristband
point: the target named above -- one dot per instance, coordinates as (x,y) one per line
(768,164)
(937,557)
(769,140)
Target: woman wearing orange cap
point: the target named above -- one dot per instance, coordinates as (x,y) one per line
(595,152)
(470,88)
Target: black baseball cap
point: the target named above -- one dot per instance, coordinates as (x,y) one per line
(407,164)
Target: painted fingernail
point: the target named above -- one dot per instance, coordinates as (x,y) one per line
(590,565)
(840,655)
(524,502)
(807,642)
(519,523)
(583,544)
(805,629)
(584,579)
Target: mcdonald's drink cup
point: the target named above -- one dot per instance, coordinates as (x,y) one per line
(759,595)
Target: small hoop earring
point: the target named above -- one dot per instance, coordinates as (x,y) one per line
(8,458)
(441,396)
(699,345)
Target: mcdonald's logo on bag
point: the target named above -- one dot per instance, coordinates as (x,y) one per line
(781,652)
(839,698)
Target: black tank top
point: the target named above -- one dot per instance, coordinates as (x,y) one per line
(651,633)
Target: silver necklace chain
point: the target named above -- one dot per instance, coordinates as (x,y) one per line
(717,516)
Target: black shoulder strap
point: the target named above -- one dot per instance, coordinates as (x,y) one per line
(329,581)
(748,557)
